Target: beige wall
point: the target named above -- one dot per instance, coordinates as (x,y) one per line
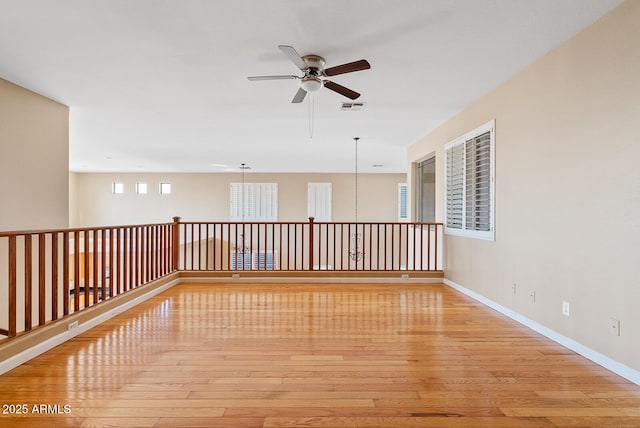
(205,197)
(34,160)
(567,188)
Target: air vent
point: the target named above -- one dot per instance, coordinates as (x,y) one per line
(352,106)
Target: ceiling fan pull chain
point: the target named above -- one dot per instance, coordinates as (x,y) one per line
(311,114)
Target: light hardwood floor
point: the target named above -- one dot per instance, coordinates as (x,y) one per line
(315,355)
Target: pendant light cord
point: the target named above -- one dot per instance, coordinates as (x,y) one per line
(356,140)
(311,113)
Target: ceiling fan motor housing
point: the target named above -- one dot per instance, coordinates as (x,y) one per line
(314,62)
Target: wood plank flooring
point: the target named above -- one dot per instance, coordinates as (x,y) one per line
(314,355)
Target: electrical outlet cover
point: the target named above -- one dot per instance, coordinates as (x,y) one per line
(566,309)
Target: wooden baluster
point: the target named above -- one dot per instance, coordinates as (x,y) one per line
(28,286)
(55,295)
(65,273)
(95,275)
(42,280)
(175,244)
(103,260)
(310,243)
(130,236)
(76,271)
(435,247)
(13,286)
(112,270)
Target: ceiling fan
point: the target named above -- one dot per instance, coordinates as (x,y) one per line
(314,74)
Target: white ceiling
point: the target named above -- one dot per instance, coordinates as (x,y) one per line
(161,85)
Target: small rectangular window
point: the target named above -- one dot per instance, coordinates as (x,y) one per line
(117,188)
(165,188)
(141,188)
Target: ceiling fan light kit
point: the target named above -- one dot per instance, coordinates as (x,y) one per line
(310,84)
(314,74)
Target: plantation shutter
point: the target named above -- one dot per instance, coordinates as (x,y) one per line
(256,202)
(319,201)
(264,201)
(454,165)
(236,202)
(478,186)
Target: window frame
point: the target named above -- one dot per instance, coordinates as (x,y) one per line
(488,235)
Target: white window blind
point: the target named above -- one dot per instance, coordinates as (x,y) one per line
(455,186)
(469,184)
(403,202)
(319,201)
(254,202)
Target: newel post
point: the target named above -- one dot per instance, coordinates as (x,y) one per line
(175,245)
(311,242)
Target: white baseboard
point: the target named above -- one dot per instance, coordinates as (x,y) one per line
(595,356)
(42,347)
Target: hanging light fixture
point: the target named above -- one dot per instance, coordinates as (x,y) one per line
(355,252)
(240,248)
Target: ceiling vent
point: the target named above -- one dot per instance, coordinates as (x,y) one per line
(352,106)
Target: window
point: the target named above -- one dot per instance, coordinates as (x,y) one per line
(426,190)
(117,188)
(469,183)
(165,188)
(403,208)
(254,202)
(319,201)
(141,188)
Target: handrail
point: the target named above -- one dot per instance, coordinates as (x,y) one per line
(50,274)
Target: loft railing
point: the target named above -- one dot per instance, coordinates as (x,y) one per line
(46,275)
(49,274)
(309,246)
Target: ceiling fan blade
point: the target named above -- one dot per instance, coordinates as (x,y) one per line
(350,67)
(294,56)
(341,90)
(299,96)
(252,78)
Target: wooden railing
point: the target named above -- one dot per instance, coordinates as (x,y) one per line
(309,246)
(49,274)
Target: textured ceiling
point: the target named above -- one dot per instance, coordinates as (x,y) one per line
(161,85)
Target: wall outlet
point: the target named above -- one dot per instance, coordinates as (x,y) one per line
(235,275)
(72,326)
(533,295)
(566,309)
(614,326)
(514,287)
